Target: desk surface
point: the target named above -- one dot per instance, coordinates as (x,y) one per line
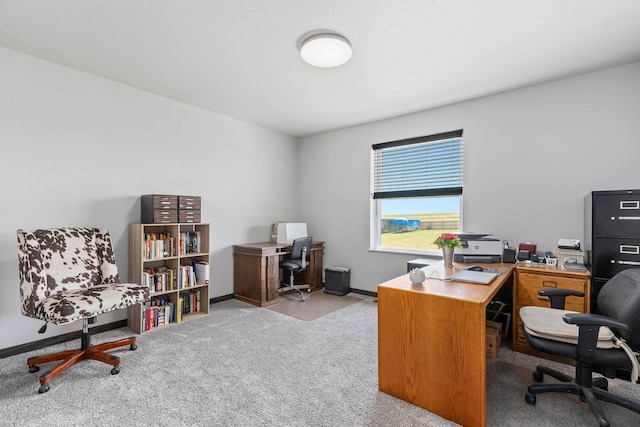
(266,248)
(435,285)
(431,342)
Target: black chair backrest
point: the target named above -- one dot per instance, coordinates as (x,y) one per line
(619,299)
(299,244)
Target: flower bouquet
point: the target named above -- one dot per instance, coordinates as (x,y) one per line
(448,242)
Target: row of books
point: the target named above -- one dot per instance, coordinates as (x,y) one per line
(157,312)
(190,242)
(160,311)
(158,245)
(160,279)
(162,245)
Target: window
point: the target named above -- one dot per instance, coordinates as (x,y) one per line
(416,191)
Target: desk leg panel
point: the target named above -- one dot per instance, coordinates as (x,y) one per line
(431,353)
(256,279)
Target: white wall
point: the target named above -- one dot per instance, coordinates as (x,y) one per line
(531,155)
(78,150)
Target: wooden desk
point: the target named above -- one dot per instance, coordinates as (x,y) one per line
(256,272)
(431,342)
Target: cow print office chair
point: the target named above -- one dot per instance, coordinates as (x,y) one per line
(69,274)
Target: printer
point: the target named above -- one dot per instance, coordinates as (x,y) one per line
(478,247)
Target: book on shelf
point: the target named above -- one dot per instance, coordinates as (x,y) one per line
(160,317)
(202,272)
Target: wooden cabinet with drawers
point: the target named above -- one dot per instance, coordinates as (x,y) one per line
(529,279)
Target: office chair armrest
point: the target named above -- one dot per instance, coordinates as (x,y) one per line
(558,296)
(589,327)
(581,319)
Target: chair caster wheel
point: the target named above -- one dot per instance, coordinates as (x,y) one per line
(133,347)
(33,369)
(601,383)
(537,377)
(115,370)
(309,290)
(301,298)
(530,398)
(43,388)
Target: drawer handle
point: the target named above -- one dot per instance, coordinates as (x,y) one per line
(629,218)
(629,262)
(629,204)
(549,284)
(628,249)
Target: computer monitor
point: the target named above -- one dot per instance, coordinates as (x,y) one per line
(289,231)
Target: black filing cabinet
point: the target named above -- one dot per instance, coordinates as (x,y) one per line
(612,235)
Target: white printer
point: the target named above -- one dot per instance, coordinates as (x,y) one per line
(478,247)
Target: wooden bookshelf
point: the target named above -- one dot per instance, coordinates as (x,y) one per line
(160,256)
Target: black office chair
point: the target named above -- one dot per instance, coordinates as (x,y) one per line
(606,343)
(297,263)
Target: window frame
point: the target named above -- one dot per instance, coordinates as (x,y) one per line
(377,193)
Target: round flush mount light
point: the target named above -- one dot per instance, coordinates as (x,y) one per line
(325,50)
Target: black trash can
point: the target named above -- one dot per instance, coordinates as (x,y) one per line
(336,280)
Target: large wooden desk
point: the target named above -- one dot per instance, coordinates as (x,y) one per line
(256,272)
(431,342)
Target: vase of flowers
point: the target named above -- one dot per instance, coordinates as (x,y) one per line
(447,242)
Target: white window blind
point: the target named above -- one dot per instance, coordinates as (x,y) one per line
(418,167)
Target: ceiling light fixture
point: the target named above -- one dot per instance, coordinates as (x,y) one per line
(325,50)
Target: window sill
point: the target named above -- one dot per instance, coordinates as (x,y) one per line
(436,255)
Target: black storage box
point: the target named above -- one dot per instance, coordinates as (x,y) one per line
(417,263)
(336,280)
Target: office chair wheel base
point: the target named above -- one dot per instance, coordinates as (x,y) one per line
(115,370)
(43,388)
(133,347)
(34,369)
(537,376)
(530,398)
(601,383)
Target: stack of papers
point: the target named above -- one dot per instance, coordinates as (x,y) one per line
(569,244)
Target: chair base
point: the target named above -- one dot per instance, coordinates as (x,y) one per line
(71,357)
(293,287)
(590,394)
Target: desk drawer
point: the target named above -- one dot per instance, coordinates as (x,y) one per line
(160,216)
(189,215)
(530,284)
(526,286)
(159,201)
(189,202)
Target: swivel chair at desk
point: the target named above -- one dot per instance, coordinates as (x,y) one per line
(594,348)
(297,263)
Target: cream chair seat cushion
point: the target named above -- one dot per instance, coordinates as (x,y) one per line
(548,323)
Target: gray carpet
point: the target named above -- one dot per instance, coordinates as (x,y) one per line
(247,366)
